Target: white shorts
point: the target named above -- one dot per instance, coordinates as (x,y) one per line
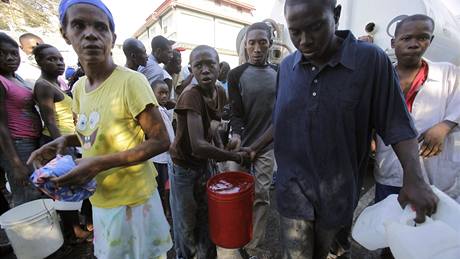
(137,232)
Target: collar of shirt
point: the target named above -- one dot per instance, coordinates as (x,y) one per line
(345,55)
(152,58)
(150,61)
(161,108)
(434,73)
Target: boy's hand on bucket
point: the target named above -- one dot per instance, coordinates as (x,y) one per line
(250,153)
(246,158)
(85,171)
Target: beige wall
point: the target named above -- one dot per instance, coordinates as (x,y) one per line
(189,28)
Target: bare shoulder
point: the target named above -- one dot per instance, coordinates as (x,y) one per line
(43,87)
(42,84)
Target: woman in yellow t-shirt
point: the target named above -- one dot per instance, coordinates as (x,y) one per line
(55,106)
(119,127)
(56,112)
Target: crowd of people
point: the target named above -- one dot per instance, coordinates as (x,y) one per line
(153,132)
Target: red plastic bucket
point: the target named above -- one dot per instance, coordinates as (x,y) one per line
(230,201)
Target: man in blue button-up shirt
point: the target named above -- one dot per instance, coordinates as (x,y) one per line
(161,53)
(332,92)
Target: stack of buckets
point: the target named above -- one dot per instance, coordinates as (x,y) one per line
(230,211)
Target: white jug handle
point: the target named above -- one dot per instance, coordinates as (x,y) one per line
(408,217)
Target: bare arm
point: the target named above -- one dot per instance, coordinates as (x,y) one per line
(168,82)
(49,151)
(237,111)
(180,88)
(156,143)
(215,125)
(258,145)
(6,143)
(44,96)
(5,138)
(415,190)
(201,147)
(264,140)
(433,139)
(236,104)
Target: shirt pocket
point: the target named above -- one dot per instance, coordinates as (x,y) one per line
(349,91)
(349,97)
(348,104)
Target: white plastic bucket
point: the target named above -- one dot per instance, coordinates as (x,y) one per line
(66,205)
(33,229)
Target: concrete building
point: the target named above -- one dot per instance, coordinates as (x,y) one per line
(194,22)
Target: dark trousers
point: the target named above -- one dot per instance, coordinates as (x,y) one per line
(4,206)
(163,188)
(162,177)
(189,207)
(382,191)
(87,211)
(21,194)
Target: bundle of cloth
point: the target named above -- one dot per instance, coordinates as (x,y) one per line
(59,166)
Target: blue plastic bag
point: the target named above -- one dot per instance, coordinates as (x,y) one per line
(57,167)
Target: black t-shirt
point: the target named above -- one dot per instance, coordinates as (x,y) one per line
(252,91)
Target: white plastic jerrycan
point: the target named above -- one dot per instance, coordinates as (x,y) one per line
(431,240)
(369,229)
(448,210)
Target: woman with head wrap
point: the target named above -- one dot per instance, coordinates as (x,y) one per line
(119,128)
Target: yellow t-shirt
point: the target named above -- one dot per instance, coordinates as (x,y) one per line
(63,115)
(107,124)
